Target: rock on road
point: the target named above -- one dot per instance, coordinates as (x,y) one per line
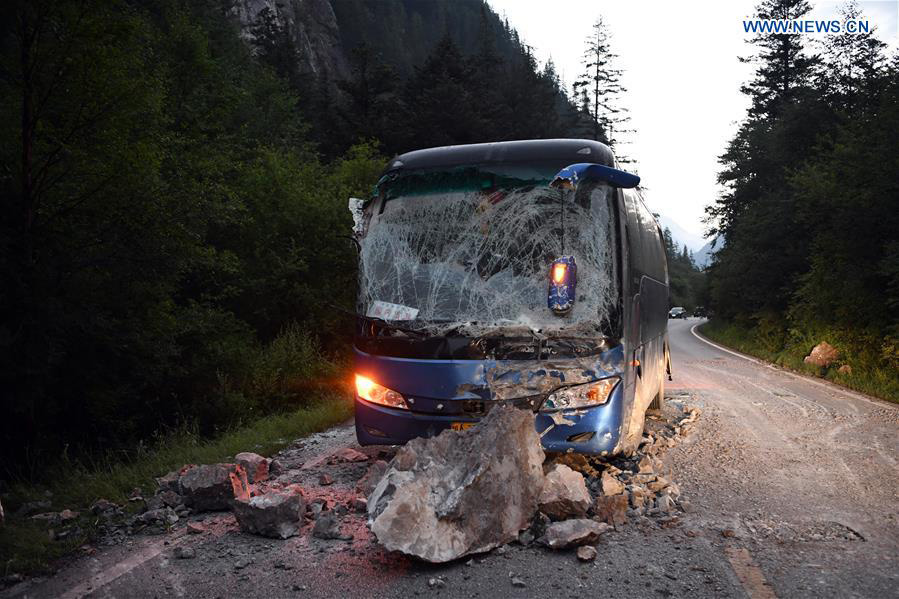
(793,486)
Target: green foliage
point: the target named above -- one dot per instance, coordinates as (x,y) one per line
(686,283)
(165,220)
(809,204)
(75,484)
(871,358)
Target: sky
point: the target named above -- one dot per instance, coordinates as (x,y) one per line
(683,78)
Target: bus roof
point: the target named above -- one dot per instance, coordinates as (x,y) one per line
(569,151)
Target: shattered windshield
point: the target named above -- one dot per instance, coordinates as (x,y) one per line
(471,248)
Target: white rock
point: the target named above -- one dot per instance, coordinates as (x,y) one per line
(465,491)
(564,494)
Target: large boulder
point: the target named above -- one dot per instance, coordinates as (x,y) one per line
(564,494)
(823,355)
(277,513)
(254,464)
(461,492)
(209,487)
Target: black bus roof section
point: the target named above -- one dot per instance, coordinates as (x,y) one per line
(568,151)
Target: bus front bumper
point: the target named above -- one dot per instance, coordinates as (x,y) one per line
(594,431)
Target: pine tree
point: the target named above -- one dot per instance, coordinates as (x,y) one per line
(599,87)
(852,60)
(783,68)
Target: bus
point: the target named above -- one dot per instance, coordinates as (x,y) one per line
(527,273)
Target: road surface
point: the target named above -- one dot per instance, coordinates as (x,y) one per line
(793,486)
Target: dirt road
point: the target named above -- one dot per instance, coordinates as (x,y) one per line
(792,485)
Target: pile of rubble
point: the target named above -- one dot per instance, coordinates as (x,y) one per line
(438,499)
(470,491)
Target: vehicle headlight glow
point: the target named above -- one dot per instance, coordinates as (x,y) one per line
(379,394)
(581,396)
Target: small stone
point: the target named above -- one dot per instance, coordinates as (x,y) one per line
(728,533)
(185,552)
(348,454)
(612,510)
(586,553)
(276,514)
(611,485)
(256,466)
(845,369)
(645,465)
(571,533)
(664,503)
(526,537)
(325,479)
(436,583)
(210,487)
(276,468)
(101,506)
(195,528)
(638,496)
(327,526)
(564,494)
(519,583)
(658,484)
(67,515)
(170,498)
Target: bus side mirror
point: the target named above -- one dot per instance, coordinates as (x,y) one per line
(571,175)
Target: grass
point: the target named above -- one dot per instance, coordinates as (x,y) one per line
(25,545)
(869,374)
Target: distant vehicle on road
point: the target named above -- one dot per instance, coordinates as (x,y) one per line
(527,273)
(677,312)
(700,312)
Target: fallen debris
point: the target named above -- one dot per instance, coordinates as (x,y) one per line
(195,528)
(327,526)
(611,509)
(822,355)
(347,454)
(575,532)
(464,492)
(586,553)
(256,466)
(277,513)
(564,494)
(209,487)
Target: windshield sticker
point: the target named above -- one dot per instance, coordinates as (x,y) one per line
(388,311)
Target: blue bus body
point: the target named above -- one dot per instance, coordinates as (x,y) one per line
(445,380)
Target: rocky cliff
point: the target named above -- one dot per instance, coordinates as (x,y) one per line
(310,24)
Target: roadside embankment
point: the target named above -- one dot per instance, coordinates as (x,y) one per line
(858,361)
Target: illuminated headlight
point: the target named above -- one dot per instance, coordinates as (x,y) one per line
(581,396)
(379,394)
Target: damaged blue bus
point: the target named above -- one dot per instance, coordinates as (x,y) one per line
(525,272)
